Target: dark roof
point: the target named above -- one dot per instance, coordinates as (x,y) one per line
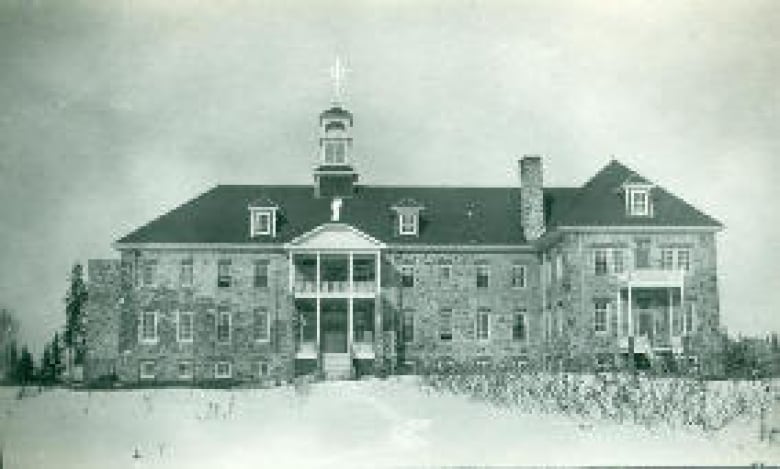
(337,112)
(600,202)
(452,215)
(335,167)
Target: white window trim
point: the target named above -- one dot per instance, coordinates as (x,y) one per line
(335,142)
(267,325)
(440,329)
(606,317)
(141,338)
(677,263)
(414,224)
(476,328)
(227,375)
(486,269)
(255,213)
(260,365)
(596,253)
(631,192)
(191,374)
(142,368)
(407,268)
(178,327)
(613,255)
(191,263)
(230,327)
(524,277)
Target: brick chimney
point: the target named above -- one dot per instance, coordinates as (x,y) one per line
(531,198)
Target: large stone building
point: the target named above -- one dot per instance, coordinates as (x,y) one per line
(255,283)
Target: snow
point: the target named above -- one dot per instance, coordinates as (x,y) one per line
(336,424)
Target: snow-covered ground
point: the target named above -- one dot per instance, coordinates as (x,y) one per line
(335,424)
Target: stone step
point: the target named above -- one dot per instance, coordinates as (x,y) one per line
(337,365)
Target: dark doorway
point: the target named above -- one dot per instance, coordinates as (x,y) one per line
(334,326)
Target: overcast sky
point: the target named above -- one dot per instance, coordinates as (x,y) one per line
(113,112)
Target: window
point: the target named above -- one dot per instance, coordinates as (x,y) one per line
(185,369)
(600,316)
(223,370)
(223,273)
(335,152)
(363,270)
(483,276)
(262,325)
(642,254)
(407,276)
(408,332)
(185,273)
(262,369)
(639,202)
(146,369)
(445,272)
(149,272)
(519,329)
(261,274)
(407,223)
(667,259)
(617,260)
(518,276)
(262,222)
(149,327)
(483,324)
(445,324)
(600,265)
(558,266)
(223,325)
(184,331)
(684,259)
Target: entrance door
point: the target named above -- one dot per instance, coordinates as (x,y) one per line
(334,331)
(646,324)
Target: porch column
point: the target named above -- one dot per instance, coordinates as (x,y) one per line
(671,314)
(619,315)
(378,337)
(292,272)
(630,313)
(319,306)
(350,305)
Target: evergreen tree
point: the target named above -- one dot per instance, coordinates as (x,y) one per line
(12,363)
(25,371)
(75,302)
(56,356)
(47,367)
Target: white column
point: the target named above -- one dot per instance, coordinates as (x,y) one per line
(378,304)
(630,313)
(671,313)
(619,315)
(292,271)
(350,305)
(319,305)
(351,276)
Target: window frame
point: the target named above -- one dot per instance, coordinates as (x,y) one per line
(618,259)
(220,314)
(596,311)
(440,329)
(228,375)
(521,313)
(410,226)
(483,276)
(260,266)
(445,268)
(190,375)
(328,155)
(261,310)
(479,334)
(224,280)
(262,221)
(148,272)
(142,337)
(142,372)
(407,272)
(601,261)
(523,270)
(263,369)
(678,257)
(187,272)
(179,338)
(636,209)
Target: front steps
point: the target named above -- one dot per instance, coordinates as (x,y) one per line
(337,366)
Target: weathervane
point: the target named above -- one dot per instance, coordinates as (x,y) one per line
(338,73)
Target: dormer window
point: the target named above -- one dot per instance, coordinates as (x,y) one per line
(262,219)
(638,200)
(408,213)
(407,223)
(335,152)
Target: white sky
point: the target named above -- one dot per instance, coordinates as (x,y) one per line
(113,112)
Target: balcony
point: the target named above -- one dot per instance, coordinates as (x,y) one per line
(338,275)
(652,278)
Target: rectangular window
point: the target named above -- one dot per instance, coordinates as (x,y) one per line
(223,273)
(483,276)
(184,331)
(445,324)
(600,262)
(642,254)
(149,327)
(445,272)
(147,369)
(223,370)
(617,261)
(407,276)
(149,272)
(639,203)
(408,326)
(667,259)
(335,152)
(519,329)
(600,316)
(262,325)
(185,272)
(518,276)
(223,325)
(261,274)
(185,369)
(684,259)
(407,223)
(483,324)
(262,369)
(363,270)
(261,222)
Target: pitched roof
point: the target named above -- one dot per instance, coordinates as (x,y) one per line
(600,202)
(452,215)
